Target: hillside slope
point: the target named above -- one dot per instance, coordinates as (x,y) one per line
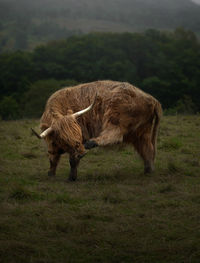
(25,23)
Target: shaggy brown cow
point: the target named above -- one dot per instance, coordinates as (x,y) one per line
(120,113)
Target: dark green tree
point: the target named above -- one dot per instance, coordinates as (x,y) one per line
(9,108)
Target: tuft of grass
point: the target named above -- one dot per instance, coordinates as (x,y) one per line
(21,193)
(29,155)
(186,151)
(112,198)
(166,188)
(65,198)
(173,167)
(171,144)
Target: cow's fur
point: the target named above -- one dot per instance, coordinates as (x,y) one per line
(121,113)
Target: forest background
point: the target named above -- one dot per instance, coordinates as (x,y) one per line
(46,45)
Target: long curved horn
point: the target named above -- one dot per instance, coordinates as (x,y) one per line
(43,134)
(79,113)
(46,132)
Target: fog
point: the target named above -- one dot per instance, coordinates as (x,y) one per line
(36,21)
(196,1)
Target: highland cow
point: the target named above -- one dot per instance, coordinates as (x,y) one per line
(118,113)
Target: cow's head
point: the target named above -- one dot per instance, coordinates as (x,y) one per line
(65,133)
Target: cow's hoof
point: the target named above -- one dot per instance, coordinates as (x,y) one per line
(51,174)
(72,178)
(148,170)
(90,144)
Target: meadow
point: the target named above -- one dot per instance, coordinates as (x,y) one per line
(113,212)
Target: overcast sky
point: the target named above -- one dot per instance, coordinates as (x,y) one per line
(196,1)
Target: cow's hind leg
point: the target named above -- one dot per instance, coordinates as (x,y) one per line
(74,162)
(53,159)
(146,150)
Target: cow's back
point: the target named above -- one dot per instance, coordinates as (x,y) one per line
(117,102)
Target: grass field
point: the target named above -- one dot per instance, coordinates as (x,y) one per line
(113,213)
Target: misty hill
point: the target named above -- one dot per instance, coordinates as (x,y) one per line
(25,23)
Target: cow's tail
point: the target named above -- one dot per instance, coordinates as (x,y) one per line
(156,123)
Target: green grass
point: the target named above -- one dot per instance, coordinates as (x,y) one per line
(113,213)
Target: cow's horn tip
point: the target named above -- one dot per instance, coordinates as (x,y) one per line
(35,133)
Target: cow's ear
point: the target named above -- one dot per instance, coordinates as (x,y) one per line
(69,112)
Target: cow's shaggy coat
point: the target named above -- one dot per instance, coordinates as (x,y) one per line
(121,113)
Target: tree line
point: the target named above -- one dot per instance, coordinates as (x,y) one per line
(164,64)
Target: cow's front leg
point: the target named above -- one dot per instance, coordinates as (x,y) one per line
(53,159)
(73,168)
(111,135)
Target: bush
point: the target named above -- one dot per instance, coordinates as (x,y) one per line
(35,98)
(183,106)
(9,108)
